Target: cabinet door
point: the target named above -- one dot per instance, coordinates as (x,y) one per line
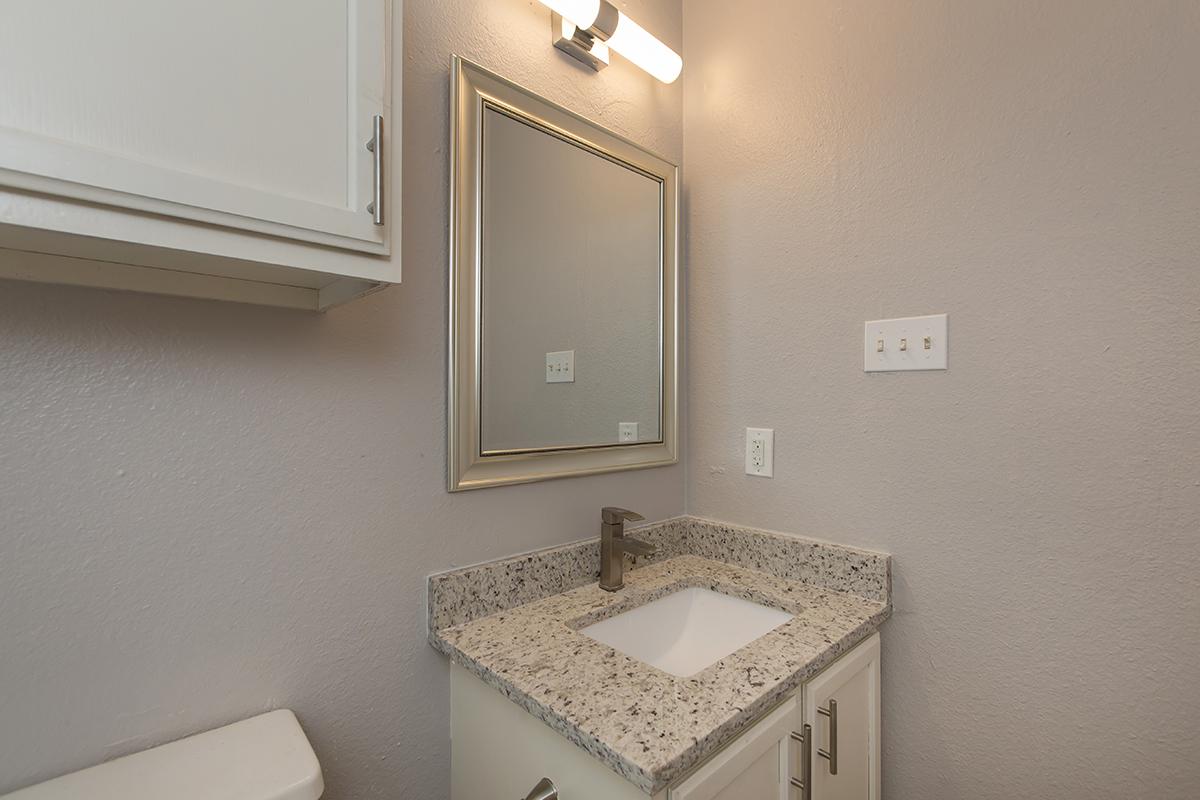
(753,767)
(249,115)
(852,683)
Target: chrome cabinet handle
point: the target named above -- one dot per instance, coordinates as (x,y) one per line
(375,146)
(545,790)
(831,753)
(804,782)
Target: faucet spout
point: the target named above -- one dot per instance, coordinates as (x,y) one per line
(614,545)
(611,515)
(636,547)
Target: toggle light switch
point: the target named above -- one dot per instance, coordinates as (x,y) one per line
(886,344)
(560,367)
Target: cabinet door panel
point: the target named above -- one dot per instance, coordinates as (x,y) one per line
(853,681)
(753,767)
(248,115)
(760,780)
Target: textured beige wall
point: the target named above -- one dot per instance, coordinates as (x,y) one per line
(208,510)
(1032,168)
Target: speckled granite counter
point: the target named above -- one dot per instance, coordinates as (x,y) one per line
(647,725)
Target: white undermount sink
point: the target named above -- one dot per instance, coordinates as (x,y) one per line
(688,630)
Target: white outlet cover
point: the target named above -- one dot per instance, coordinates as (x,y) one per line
(760,452)
(560,367)
(903,344)
(627,432)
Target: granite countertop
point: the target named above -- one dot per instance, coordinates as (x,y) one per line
(647,725)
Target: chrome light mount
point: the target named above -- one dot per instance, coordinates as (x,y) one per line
(588,45)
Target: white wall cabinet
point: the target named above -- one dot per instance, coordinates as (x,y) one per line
(202,147)
(498,750)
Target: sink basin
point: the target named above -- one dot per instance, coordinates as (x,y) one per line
(687,631)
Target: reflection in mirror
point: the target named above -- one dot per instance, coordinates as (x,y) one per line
(571,275)
(563,293)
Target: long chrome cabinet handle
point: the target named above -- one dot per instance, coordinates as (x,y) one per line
(375,146)
(831,753)
(804,782)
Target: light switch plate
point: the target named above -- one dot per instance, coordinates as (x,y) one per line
(560,367)
(760,452)
(627,432)
(905,344)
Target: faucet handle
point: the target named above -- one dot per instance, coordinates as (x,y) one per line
(611,515)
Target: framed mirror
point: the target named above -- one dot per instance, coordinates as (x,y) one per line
(563,292)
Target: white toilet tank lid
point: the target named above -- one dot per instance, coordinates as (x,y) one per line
(262,758)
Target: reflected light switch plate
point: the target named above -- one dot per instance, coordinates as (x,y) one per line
(560,367)
(906,344)
(627,432)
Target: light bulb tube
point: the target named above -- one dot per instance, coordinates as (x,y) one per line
(639,46)
(582,12)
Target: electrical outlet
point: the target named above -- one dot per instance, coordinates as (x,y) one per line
(627,432)
(560,367)
(760,452)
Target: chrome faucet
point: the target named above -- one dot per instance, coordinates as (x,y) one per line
(614,546)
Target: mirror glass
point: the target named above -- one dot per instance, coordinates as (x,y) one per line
(571,277)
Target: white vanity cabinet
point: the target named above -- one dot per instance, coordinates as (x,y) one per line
(499,751)
(211,148)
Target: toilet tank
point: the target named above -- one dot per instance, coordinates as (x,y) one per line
(261,758)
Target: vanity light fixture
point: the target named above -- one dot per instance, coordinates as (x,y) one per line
(588,29)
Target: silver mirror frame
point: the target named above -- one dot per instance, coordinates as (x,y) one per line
(471,88)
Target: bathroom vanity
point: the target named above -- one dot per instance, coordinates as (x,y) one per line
(738,664)
(732,663)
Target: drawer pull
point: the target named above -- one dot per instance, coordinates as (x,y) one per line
(831,753)
(804,782)
(375,146)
